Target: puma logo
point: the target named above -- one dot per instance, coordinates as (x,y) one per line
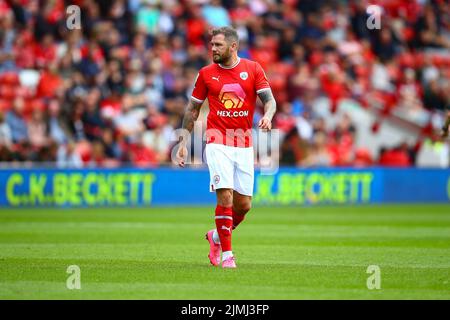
(216,78)
(225,228)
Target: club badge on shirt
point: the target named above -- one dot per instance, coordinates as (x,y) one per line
(243,75)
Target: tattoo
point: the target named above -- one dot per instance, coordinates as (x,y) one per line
(270,105)
(191,115)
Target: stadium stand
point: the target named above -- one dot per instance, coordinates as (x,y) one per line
(112,92)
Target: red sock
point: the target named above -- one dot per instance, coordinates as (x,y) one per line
(237,219)
(224,225)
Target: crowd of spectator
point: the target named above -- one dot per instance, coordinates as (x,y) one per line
(113,91)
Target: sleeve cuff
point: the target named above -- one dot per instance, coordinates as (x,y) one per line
(197,100)
(263,89)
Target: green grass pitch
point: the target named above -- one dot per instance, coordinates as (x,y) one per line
(281,253)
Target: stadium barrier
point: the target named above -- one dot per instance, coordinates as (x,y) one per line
(172,186)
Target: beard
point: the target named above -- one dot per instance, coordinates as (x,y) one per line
(222,58)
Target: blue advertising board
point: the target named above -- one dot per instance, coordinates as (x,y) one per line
(173,186)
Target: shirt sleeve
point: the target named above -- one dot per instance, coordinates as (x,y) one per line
(261,82)
(200,91)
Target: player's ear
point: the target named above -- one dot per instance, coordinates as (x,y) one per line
(234,45)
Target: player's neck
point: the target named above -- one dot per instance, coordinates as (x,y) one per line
(232,62)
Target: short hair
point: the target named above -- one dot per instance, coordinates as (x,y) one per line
(229,33)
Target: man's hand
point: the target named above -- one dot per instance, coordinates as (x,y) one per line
(265,123)
(181,154)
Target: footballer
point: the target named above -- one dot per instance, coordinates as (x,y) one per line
(231,84)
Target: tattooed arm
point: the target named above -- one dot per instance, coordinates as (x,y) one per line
(270,107)
(190,116)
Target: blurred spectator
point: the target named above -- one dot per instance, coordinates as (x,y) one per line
(49,83)
(67,157)
(318,155)
(410,94)
(111,148)
(345,128)
(48,153)
(93,123)
(216,15)
(16,122)
(292,149)
(385,46)
(156,138)
(98,156)
(142,155)
(433,97)
(45,51)
(89,65)
(5,133)
(76,125)
(344,135)
(380,78)
(304,126)
(147,17)
(37,129)
(58,129)
(129,122)
(284,121)
(7,38)
(196,26)
(430,29)
(359,17)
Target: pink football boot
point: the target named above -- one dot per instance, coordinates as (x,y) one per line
(214,249)
(229,263)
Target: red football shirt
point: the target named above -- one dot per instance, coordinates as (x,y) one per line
(232,93)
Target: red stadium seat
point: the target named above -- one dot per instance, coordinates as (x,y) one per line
(419,60)
(362,158)
(7,92)
(395,158)
(24,92)
(441,61)
(38,103)
(283,68)
(10,78)
(31,105)
(407,60)
(446,72)
(271,43)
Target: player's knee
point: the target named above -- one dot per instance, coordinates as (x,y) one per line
(247,206)
(243,208)
(224,198)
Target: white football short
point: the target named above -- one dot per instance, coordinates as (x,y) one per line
(230,168)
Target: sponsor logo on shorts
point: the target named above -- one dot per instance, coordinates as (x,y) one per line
(216,179)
